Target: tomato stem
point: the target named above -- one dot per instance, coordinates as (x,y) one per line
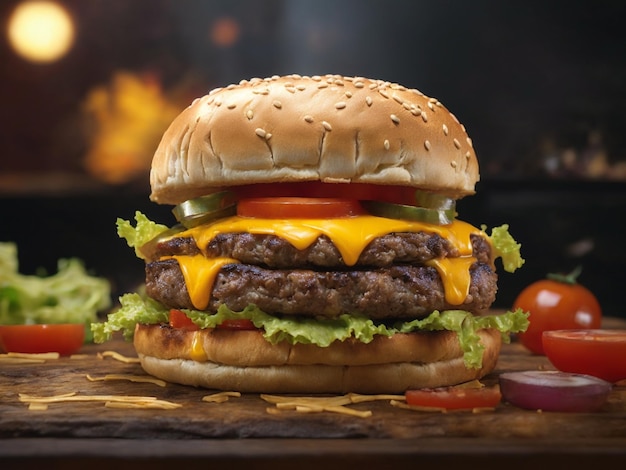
(570,278)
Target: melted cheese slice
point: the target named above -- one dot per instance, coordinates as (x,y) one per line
(197,352)
(350,235)
(200,273)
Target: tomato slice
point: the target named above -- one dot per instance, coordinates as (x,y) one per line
(64,338)
(237,324)
(317,189)
(455,398)
(298,207)
(178,319)
(594,352)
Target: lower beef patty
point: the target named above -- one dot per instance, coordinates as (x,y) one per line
(402,291)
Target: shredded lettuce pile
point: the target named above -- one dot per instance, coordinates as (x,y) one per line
(69,296)
(136,308)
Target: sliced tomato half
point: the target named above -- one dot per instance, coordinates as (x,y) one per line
(455,398)
(317,189)
(594,352)
(237,324)
(64,338)
(298,207)
(178,319)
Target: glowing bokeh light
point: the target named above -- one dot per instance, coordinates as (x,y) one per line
(41,31)
(225,32)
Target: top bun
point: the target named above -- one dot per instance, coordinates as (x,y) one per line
(332,129)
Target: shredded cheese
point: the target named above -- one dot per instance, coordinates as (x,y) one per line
(436,409)
(220,397)
(28,358)
(336,404)
(119,357)
(110,401)
(130,378)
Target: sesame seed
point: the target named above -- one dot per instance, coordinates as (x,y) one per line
(373,86)
(288,85)
(322,85)
(368,100)
(340,105)
(260,132)
(308,118)
(424,117)
(339,82)
(453,164)
(469,142)
(457,144)
(468,155)
(249,114)
(291,90)
(231,105)
(358,85)
(327,126)
(277,104)
(430,106)
(268,136)
(416,112)
(218,102)
(316,78)
(427,144)
(384,93)
(348,94)
(398,99)
(301,88)
(395,118)
(406,106)
(445,129)
(386,144)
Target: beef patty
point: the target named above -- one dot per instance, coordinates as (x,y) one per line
(274,252)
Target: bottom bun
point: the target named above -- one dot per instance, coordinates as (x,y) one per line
(251,364)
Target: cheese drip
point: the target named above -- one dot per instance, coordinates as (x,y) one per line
(455,275)
(350,235)
(200,273)
(197,352)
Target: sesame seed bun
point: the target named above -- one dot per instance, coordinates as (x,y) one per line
(332,129)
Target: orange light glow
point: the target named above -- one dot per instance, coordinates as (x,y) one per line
(225,32)
(40,31)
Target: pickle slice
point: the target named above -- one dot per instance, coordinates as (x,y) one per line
(419,214)
(203,209)
(433,200)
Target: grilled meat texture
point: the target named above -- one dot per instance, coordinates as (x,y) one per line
(274,252)
(400,291)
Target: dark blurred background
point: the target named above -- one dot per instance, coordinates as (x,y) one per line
(540,86)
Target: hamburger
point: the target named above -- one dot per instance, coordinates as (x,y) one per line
(317,247)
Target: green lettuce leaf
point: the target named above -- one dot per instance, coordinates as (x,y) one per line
(506,247)
(143,231)
(136,309)
(69,296)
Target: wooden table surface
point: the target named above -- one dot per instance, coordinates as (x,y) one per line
(248,430)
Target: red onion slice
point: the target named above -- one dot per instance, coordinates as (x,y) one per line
(554,391)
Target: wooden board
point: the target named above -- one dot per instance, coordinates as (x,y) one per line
(248,416)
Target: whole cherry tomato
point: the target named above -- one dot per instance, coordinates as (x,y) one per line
(557,303)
